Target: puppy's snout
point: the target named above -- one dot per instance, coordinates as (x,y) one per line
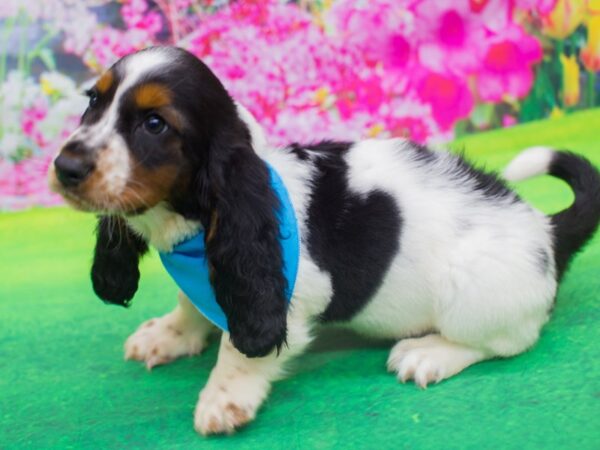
(72,166)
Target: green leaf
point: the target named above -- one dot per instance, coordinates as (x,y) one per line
(47,58)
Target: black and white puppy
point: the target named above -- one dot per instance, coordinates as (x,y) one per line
(397,241)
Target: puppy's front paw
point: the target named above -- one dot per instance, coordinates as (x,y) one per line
(161,340)
(228,403)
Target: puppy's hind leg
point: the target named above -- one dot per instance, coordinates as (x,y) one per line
(430,359)
(182,332)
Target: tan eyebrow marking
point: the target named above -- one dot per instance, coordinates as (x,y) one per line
(152,95)
(105,82)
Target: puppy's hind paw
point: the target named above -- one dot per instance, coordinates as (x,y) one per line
(430,359)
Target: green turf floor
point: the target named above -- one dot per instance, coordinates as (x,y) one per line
(64,384)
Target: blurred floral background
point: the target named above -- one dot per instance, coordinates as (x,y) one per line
(429,70)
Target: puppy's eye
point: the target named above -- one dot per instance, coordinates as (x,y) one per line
(93,95)
(155,124)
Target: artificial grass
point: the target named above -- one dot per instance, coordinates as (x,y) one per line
(64,384)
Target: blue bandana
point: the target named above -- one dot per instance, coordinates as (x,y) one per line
(188,266)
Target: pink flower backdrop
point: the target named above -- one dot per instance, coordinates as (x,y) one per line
(424,69)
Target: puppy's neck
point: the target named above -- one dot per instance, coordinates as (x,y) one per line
(163,228)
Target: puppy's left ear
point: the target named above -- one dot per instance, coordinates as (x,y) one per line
(243,247)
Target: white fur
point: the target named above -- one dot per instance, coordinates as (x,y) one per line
(182,332)
(531,162)
(430,359)
(114,165)
(163,228)
(466,272)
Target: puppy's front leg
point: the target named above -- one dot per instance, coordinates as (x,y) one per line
(238,385)
(182,332)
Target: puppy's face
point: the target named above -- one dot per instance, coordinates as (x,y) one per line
(143,134)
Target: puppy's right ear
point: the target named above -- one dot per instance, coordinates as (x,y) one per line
(115,272)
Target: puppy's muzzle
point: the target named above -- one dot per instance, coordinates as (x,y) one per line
(73,165)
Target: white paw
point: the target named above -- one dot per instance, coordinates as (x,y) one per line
(161,340)
(228,403)
(429,359)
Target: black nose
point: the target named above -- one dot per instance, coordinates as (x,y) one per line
(71,171)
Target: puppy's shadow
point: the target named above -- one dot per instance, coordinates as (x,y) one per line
(331,339)
(333,347)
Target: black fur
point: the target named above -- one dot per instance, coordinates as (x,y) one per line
(486,183)
(543,260)
(423,154)
(574,226)
(352,237)
(245,251)
(115,272)
(299,151)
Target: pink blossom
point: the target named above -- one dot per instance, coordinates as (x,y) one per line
(495,15)
(376,29)
(30,117)
(508,120)
(508,65)
(449,97)
(136,15)
(450,36)
(541,6)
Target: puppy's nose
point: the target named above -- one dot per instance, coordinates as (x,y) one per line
(71,170)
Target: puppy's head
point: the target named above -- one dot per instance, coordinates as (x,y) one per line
(146,132)
(161,128)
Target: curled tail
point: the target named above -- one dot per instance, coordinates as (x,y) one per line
(574,226)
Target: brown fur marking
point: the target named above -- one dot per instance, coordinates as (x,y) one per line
(152,95)
(213,426)
(148,187)
(239,416)
(105,82)
(213,226)
(175,331)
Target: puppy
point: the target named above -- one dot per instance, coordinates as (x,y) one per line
(395,241)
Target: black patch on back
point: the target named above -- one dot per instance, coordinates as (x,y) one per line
(353,237)
(543,260)
(299,151)
(423,154)
(488,184)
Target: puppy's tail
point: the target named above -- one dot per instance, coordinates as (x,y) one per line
(574,226)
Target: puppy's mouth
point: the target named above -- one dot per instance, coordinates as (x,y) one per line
(78,199)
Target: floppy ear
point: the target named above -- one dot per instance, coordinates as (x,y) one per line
(243,248)
(115,272)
